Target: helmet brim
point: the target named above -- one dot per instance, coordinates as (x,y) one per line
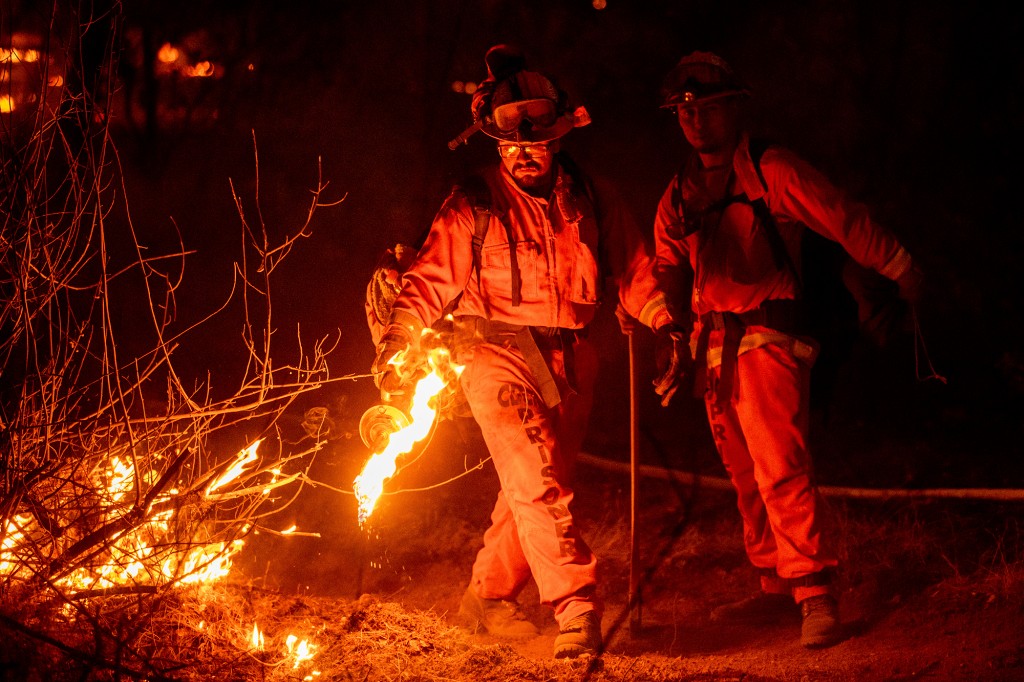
(688,99)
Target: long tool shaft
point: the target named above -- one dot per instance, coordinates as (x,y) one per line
(635,601)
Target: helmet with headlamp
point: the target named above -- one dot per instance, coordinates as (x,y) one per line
(700,77)
(518,105)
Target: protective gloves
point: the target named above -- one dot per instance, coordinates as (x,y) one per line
(675,364)
(393,367)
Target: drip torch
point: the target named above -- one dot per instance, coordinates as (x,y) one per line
(378,423)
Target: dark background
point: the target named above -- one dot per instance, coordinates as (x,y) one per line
(914,107)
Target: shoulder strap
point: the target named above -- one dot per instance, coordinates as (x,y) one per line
(757,148)
(479,195)
(780,254)
(476,190)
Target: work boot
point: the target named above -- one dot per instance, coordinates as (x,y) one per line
(821,627)
(500,617)
(581,636)
(760,607)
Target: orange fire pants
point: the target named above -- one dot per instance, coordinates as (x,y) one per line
(533,447)
(761,435)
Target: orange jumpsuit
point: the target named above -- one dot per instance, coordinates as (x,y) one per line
(759,417)
(563,256)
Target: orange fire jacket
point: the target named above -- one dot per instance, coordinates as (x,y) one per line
(728,252)
(566,258)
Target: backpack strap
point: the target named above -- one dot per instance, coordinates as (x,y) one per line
(517,283)
(479,195)
(780,254)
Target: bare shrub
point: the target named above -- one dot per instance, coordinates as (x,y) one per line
(115,491)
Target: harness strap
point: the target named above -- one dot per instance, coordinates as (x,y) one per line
(480,197)
(784,315)
(700,375)
(780,254)
(473,329)
(535,361)
(517,280)
(734,330)
(482,216)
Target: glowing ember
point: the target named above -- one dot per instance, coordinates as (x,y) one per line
(168,54)
(18,55)
(203,69)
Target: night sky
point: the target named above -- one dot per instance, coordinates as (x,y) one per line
(913,107)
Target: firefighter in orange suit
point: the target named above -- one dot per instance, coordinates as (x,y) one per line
(727,237)
(523,297)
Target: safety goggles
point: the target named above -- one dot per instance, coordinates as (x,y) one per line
(540,112)
(507,150)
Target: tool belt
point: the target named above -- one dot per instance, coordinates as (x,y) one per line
(531,341)
(784,315)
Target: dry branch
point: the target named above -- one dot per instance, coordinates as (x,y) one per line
(113,494)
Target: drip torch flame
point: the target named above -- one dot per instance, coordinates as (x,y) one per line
(381,466)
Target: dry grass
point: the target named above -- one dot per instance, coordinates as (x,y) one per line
(205,633)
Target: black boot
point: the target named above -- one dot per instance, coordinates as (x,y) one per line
(821,626)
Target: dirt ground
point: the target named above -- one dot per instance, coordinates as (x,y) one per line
(928,589)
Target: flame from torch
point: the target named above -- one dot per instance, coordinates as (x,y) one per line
(404,435)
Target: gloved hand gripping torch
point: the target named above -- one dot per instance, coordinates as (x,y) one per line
(395,370)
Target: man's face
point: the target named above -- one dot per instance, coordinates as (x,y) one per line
(529,162)
(710,126)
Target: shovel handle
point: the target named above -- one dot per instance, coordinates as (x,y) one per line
(635,602)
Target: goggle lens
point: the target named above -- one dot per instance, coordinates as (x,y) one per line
(540,112)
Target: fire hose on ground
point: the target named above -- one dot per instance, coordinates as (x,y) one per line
(717,483)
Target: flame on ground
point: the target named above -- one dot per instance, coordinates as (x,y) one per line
(299,651)
(146,553)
